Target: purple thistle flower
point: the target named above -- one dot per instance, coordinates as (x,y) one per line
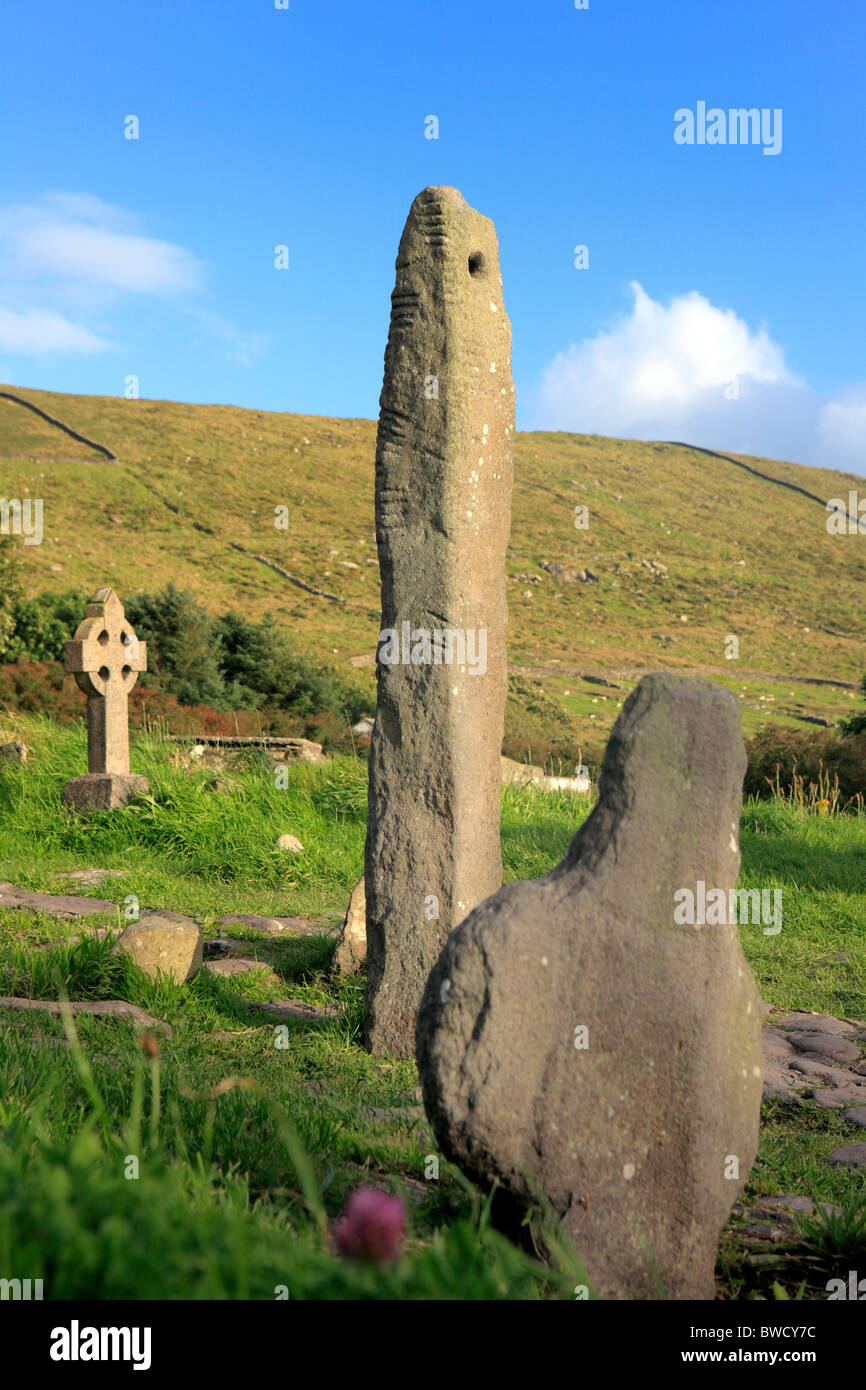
(372,1227)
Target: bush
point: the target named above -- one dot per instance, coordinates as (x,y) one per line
(43,625)
(9,591)
(807,754)
(856,725)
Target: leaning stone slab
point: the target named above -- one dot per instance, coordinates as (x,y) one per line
(577,1040)
(351,949)
(162,943)
(102,1008)
(443,503)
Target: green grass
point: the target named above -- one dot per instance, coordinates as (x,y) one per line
(247,1150)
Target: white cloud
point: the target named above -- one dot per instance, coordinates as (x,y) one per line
(38,331)
(69,263)
(79,239)
(694,372)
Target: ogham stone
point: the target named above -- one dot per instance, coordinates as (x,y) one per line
(575,1040)
(443,503)
(105,657)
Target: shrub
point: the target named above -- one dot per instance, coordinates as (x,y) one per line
(789,754)
(9,590)
(43,625)
(857,724)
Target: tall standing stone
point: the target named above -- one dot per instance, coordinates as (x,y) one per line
(578,1037)
(105,657)
(443,506)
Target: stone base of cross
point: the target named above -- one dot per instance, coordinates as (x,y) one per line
(105,656)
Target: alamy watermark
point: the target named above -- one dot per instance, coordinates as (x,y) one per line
(714,907)
(736,126)
(20,1289)
(22,518)
(439,646)
(846,520)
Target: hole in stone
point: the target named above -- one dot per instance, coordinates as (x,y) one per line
(102,639)
(104,673)
(126,670)
(476,263)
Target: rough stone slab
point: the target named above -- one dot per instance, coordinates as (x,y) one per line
(443,505)
(849,1156)
(822,1071)
(275,926)
(817,1023)
(103,1008)
(628,1137)
(856,1116)
(89,878)
(830,1045)
(351,949)
(54,904)
(236,965)
(286,1010)
(834,1096)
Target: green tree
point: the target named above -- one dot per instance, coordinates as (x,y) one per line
(43,625)
(182,645)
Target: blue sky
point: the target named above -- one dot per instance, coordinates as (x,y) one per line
(724,298)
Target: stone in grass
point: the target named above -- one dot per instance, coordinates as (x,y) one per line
(52,904)
(849,1156)
(816,1023)
(833,1096)
(89,878)
(274,926)
(291,844)
(15,752)
(829,1045)
(164,943)
(576,1040)
(101,1008)
(856,1116)
(351,949)
(236,965)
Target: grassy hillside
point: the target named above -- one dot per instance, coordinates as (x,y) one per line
(687,549)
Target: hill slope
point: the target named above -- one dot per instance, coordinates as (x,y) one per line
(687,548)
